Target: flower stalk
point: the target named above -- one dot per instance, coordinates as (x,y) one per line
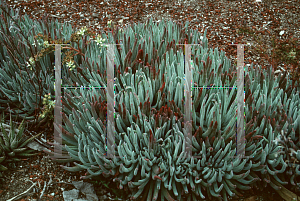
(68,60)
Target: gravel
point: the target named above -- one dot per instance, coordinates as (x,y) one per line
(223,20)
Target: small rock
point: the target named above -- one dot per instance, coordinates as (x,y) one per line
(95,15)
(252,198)
(70,195)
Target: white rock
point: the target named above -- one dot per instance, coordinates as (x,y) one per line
(281,33)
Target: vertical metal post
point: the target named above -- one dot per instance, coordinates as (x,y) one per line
(240,136)
(188,102)
(58,107)
(110,101)
(240,102)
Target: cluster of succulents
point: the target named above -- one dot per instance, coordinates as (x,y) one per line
(150,159)
(149,110)
(27,70)
(25,79)
(13,144)
(291,154)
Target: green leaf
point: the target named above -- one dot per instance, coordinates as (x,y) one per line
(2,159)
(30,139)
(5,137)
(27,155)
(72,169)
(19,150)
(3,168)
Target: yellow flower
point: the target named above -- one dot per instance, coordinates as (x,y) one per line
(71,65)
(31,62)
(81,31)
(46,43)
(109,23)
(100,40)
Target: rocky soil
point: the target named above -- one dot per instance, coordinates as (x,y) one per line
(39,178)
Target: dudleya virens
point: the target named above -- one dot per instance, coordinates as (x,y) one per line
(40,42)
(48,105)
(46,43)
(71,65)
(31,62)
(100,40)
(82,31)
(45,100)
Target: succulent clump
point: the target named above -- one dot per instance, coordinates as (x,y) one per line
(141,142)
(13,144)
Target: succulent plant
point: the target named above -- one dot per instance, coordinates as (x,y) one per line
(291,154)
(13,143)
(150,151)
(25,76)
(150,160)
